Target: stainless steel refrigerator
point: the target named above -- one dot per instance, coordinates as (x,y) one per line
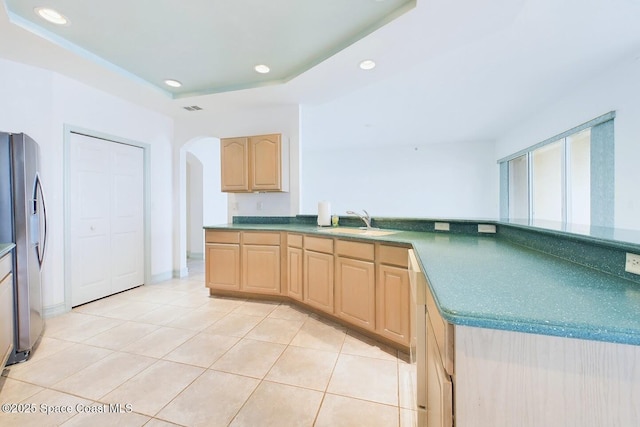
(23,222)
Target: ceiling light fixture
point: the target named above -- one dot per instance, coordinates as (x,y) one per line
(367,64)
(172,83)
(51,15)
(262,69)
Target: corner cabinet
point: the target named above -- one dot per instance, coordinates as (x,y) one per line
(253,163)
(6,308)
(394,310)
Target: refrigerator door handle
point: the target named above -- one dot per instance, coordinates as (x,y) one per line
(38,196)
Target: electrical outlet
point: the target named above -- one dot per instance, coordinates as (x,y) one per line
(441,226)
(633,263)
(259,205)
(486,228)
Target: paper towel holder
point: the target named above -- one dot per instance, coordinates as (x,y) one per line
(324,214)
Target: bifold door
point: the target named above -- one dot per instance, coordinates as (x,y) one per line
(106,217)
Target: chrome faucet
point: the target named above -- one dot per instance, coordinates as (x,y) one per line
(366,218)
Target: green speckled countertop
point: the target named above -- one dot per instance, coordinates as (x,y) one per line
(5,247)
(490,282)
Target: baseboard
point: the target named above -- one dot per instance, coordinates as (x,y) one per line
(54,310)
(157,278)
(195,255)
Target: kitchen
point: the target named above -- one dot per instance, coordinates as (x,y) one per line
(322,166)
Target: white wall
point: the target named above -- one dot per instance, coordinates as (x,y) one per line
(195,193)
(40,103)
(424,181)
(617,89)
(207,205)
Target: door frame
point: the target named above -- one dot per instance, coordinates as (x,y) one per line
(146,148)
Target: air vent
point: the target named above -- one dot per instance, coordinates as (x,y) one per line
(192,108)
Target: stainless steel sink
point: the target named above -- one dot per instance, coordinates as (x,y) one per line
(358,231)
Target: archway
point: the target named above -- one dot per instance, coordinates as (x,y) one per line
(200,199)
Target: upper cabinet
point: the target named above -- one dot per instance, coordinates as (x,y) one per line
(234,159)
(253,163)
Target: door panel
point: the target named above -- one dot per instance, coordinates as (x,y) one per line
(106,213)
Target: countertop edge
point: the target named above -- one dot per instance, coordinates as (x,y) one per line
(5,248)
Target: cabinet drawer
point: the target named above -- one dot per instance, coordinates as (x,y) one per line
(394,255)
(251,238)
(294,240)
(352,249)
(443,333)
(318,244)
(222,236)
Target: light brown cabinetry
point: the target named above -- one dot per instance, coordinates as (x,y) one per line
(252,163)
(295,264)
(355,298)
(261,262)
(439,385)
(318,273)
(439,368)
(234,164)
(6,308)
(393,308)
(361,283)
(222,259)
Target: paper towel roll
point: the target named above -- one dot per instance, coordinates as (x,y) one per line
(324,213)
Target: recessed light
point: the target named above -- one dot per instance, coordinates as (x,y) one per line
(367,64)
(172,83)
(51,15)
(262,69)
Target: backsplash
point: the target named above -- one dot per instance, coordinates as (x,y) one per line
(604,255)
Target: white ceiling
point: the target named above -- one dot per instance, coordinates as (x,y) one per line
(210,46)
(485,64)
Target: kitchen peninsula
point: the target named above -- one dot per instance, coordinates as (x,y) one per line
(545,324)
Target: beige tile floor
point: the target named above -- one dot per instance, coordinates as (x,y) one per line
(169,354)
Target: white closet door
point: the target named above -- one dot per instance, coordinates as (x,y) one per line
(106,217)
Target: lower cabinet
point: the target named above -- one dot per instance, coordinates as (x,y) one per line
(318,280)
(6,308)
(439,385)
(363,283)
(295,273)
(355,292)
(247,261)
(223,266)
(393,304)
(261,269)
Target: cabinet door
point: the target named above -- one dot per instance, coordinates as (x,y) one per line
(223,266)
(439,386)
(261,269)
(294,265)
(393,306)
(355,292)
(6,316)
(234,164)
(318,280)
(265,163)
